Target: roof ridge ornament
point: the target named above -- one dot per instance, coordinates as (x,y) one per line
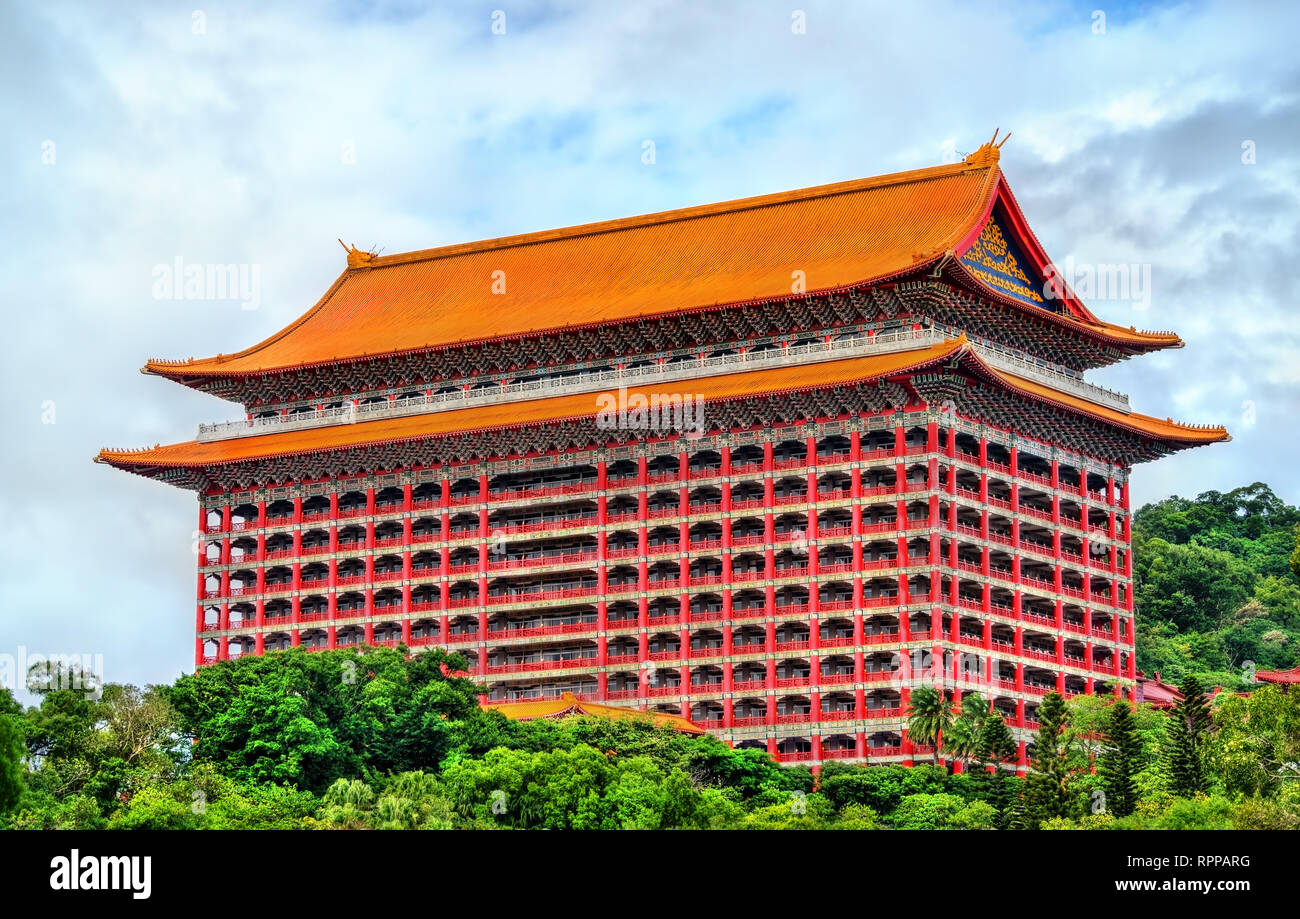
(988,154)
(358,258)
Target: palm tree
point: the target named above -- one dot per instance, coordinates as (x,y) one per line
(962,738)
(961,741)
(929,715)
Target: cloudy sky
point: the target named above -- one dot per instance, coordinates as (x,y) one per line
(135,133)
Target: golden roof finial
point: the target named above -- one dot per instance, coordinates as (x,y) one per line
(358,258)
(988,154)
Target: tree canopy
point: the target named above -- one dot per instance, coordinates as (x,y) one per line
(1215,589)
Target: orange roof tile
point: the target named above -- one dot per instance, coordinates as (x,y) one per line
(1167,429)
(197,454)
(841,235)
(838,235)
(508,414)
(569,704)
(1136,336)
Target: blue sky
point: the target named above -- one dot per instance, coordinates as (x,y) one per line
(134,133)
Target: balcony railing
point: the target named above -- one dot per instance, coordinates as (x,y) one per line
(883,343)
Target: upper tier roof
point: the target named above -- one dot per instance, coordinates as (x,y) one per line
(840,236)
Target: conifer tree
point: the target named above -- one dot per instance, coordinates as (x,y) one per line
(1018,815)
(1187,733)
(995,744)
(1120,760)
(1047,792)
(995,740)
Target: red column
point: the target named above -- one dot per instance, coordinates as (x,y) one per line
(900,473)
(483,569)
(444,564)
(769,681)
(1015,549)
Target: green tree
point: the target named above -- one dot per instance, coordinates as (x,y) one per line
(929,714)
(1263,814)
(879,788)
(976,815)
(12,771)
(1047,792)
(1194,587)
(857,817)
(348,804)
(410,801)
(962,739)
(1214,585)
(1280,597)
(995,746)
(996,743)
(942,812)
(207,800)
(1185,753)
(679,802)
(1120,760)
(797,812)
(61,726)
(306,720)
(1257,742)
(749,772)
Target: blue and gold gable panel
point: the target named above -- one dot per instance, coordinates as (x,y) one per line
(997,260)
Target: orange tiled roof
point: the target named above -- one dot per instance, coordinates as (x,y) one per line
(840,235)
(1165,429)
(198,454)
(1135,336)
(569,704)
(509,414)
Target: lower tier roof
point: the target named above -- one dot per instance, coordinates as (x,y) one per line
(569,704)
(953,352)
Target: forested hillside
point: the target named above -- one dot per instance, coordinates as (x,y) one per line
(1216,590)
(371,739)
